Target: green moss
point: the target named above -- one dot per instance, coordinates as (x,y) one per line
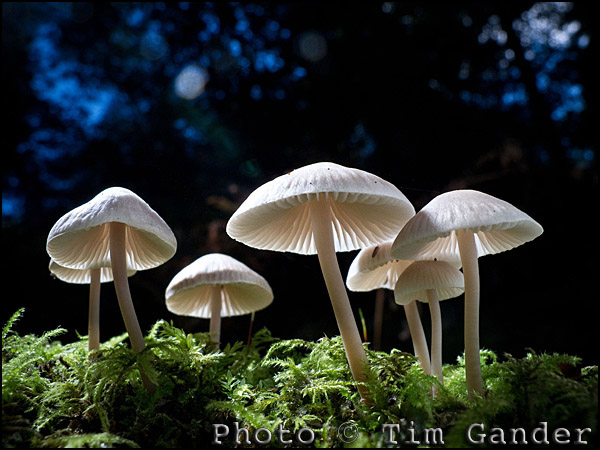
(57,395)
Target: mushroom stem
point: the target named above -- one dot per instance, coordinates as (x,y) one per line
(94,311)
(118,262)
(378,320)
(417,335)
(468,255)
(215,315)
(249,340)
(320,214)
(436,334)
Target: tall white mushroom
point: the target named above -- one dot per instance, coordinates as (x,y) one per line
(320,209)
(430,282)
(374,268)
(466,224)
(115,229)
(215,286)
(93,277)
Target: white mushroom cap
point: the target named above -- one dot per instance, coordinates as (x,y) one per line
(244,290)
(374,268)
(365,209)
(498,226)
(81,276)
(80,239)
(422,276)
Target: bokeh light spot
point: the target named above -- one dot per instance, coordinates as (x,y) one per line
(312,46)
(191,82)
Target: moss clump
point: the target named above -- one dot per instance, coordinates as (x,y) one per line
(57,395)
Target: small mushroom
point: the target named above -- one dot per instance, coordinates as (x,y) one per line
(323,208)
(93,277)
(430,282)
(115,229)
(374,268)
(215,286)
(464,225)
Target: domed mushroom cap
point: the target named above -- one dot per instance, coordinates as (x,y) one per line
(365,210)
(244,290)
(374,268)
(422,276)
(80,239)
(81,276)
(497,225)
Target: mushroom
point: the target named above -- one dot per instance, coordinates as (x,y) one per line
(215,286)
(323,208)
(466,224)
(374,268)
(115,229)
(93,277)
(430,282)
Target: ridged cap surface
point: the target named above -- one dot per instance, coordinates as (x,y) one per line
(80,238)
(81,276)
(422,276)
(365,209)
(243,292)
(498,226)
(374,268)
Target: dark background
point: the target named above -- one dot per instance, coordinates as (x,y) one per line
(498,97)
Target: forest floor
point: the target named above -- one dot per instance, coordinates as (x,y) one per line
(279,393)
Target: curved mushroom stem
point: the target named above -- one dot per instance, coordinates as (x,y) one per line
(468,255)
(215,315)
(94,311)
(320,214)
(417,335)
(118,261)
(436,334)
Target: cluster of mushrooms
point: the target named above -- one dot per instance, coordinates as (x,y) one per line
(322,208)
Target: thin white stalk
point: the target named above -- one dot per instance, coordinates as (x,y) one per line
(249,340)
(320,214)
(468,255)
(436,334)
(215,315)
(118,262)
(94,311)
(417,335)
(378,319)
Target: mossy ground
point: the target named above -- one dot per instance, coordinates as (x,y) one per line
(56,395)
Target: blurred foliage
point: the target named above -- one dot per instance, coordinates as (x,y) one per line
(98,100)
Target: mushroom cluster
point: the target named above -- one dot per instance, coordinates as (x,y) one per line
(321,209)
(430,282)
(115,229)
(426,281)
(93,277)
(116,234)
(374,268)
(324,208)
(464,225)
